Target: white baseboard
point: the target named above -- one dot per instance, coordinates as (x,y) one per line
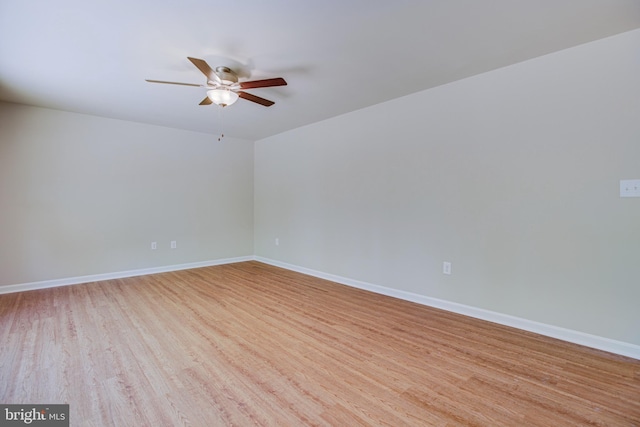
(118,275)
(576,337)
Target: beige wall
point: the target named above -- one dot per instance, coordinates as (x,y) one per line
(512,175)
(82,195)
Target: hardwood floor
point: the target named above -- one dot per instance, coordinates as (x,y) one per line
(251,344)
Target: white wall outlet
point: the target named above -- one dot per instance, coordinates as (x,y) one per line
(446,267)
(174,244)
(154,246)
(277,241)
(630,188)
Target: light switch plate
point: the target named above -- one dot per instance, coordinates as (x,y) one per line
(630,188)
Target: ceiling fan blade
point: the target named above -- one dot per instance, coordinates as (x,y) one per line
(206,101)
(278,81)
(205,69)
(256,99)
(173,83)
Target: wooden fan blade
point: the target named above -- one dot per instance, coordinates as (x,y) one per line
(206,70)
(173,83)
(256,99)
(206,101)
(278,81)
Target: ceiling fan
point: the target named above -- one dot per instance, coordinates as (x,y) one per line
(223,88)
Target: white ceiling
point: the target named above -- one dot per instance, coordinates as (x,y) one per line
(338,56)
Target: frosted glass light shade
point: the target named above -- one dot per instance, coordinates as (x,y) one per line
(222,97)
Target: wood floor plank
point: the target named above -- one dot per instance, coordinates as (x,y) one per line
(251,344)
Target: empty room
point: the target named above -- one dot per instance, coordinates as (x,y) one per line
(356,213)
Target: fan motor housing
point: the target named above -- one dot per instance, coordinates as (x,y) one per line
(227,76)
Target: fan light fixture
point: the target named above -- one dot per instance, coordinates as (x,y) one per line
(222,97)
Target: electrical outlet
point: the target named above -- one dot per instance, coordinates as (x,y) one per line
(154,246)
(174,244)
(446,267)
(277,241)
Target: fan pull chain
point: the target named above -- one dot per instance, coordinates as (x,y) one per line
(221,121)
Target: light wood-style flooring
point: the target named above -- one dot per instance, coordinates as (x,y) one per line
(250,344)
